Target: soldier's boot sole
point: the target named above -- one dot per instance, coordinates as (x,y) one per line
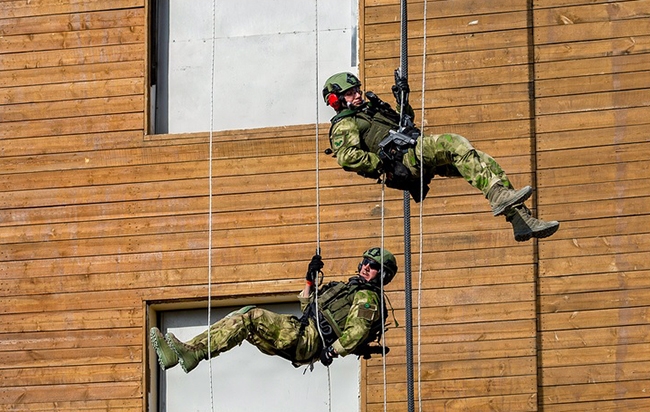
(166,356)
(188,356)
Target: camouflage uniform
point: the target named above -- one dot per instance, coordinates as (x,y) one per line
(360,127)
(355,142)
(285,335)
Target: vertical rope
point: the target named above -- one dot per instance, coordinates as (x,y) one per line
(317,88)
(214,18)
(383,320)
(317,146)
(408,305)
(421,226)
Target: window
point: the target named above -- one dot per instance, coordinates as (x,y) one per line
(265,61)
(245,379)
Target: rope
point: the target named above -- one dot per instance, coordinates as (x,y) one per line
(408,305)
(318,248)
(214,18)
(383,320)
(421,226)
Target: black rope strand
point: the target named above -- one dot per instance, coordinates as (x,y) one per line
(408,305)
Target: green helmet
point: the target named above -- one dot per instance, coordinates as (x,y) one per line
(339,83)
(390,264)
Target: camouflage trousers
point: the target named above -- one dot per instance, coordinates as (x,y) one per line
(452,155)
(271,333)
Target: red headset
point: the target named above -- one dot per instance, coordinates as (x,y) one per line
(334,101)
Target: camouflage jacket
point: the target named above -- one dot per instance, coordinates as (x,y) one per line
(351,311)
(355,135)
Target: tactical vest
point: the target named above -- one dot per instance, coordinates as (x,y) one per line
(374,119)
(334,302)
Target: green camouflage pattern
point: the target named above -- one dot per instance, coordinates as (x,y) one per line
(279,334)
(350,151)
(451,155)
(363,312)
(271,333)
(446,155)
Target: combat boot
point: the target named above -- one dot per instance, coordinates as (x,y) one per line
(502,199)
(189,356)
(166,356)
(526,226)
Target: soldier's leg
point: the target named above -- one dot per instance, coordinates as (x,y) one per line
(282,335)
(495,168)
(484,173)
(476,167)
(452,149)
(224,335)
(272,333)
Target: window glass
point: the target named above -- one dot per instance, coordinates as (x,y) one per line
(265,61)
(245,379)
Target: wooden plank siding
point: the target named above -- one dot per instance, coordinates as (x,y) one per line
(99,218)
(592,87)
(478,327)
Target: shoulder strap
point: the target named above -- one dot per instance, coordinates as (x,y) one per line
(342,115)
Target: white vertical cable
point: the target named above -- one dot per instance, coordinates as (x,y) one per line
(214,18)
(419,320)
(317,148)
(317,88)
(383,321)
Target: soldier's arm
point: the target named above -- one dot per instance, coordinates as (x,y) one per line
(363,312)
(346,145)
(305,297)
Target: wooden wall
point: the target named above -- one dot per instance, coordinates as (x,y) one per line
(99,219)
(478,335)
(592,95)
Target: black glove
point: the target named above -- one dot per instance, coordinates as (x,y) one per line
(399,177)
(327,355)
(401,88)
(418,194)
(314,268)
